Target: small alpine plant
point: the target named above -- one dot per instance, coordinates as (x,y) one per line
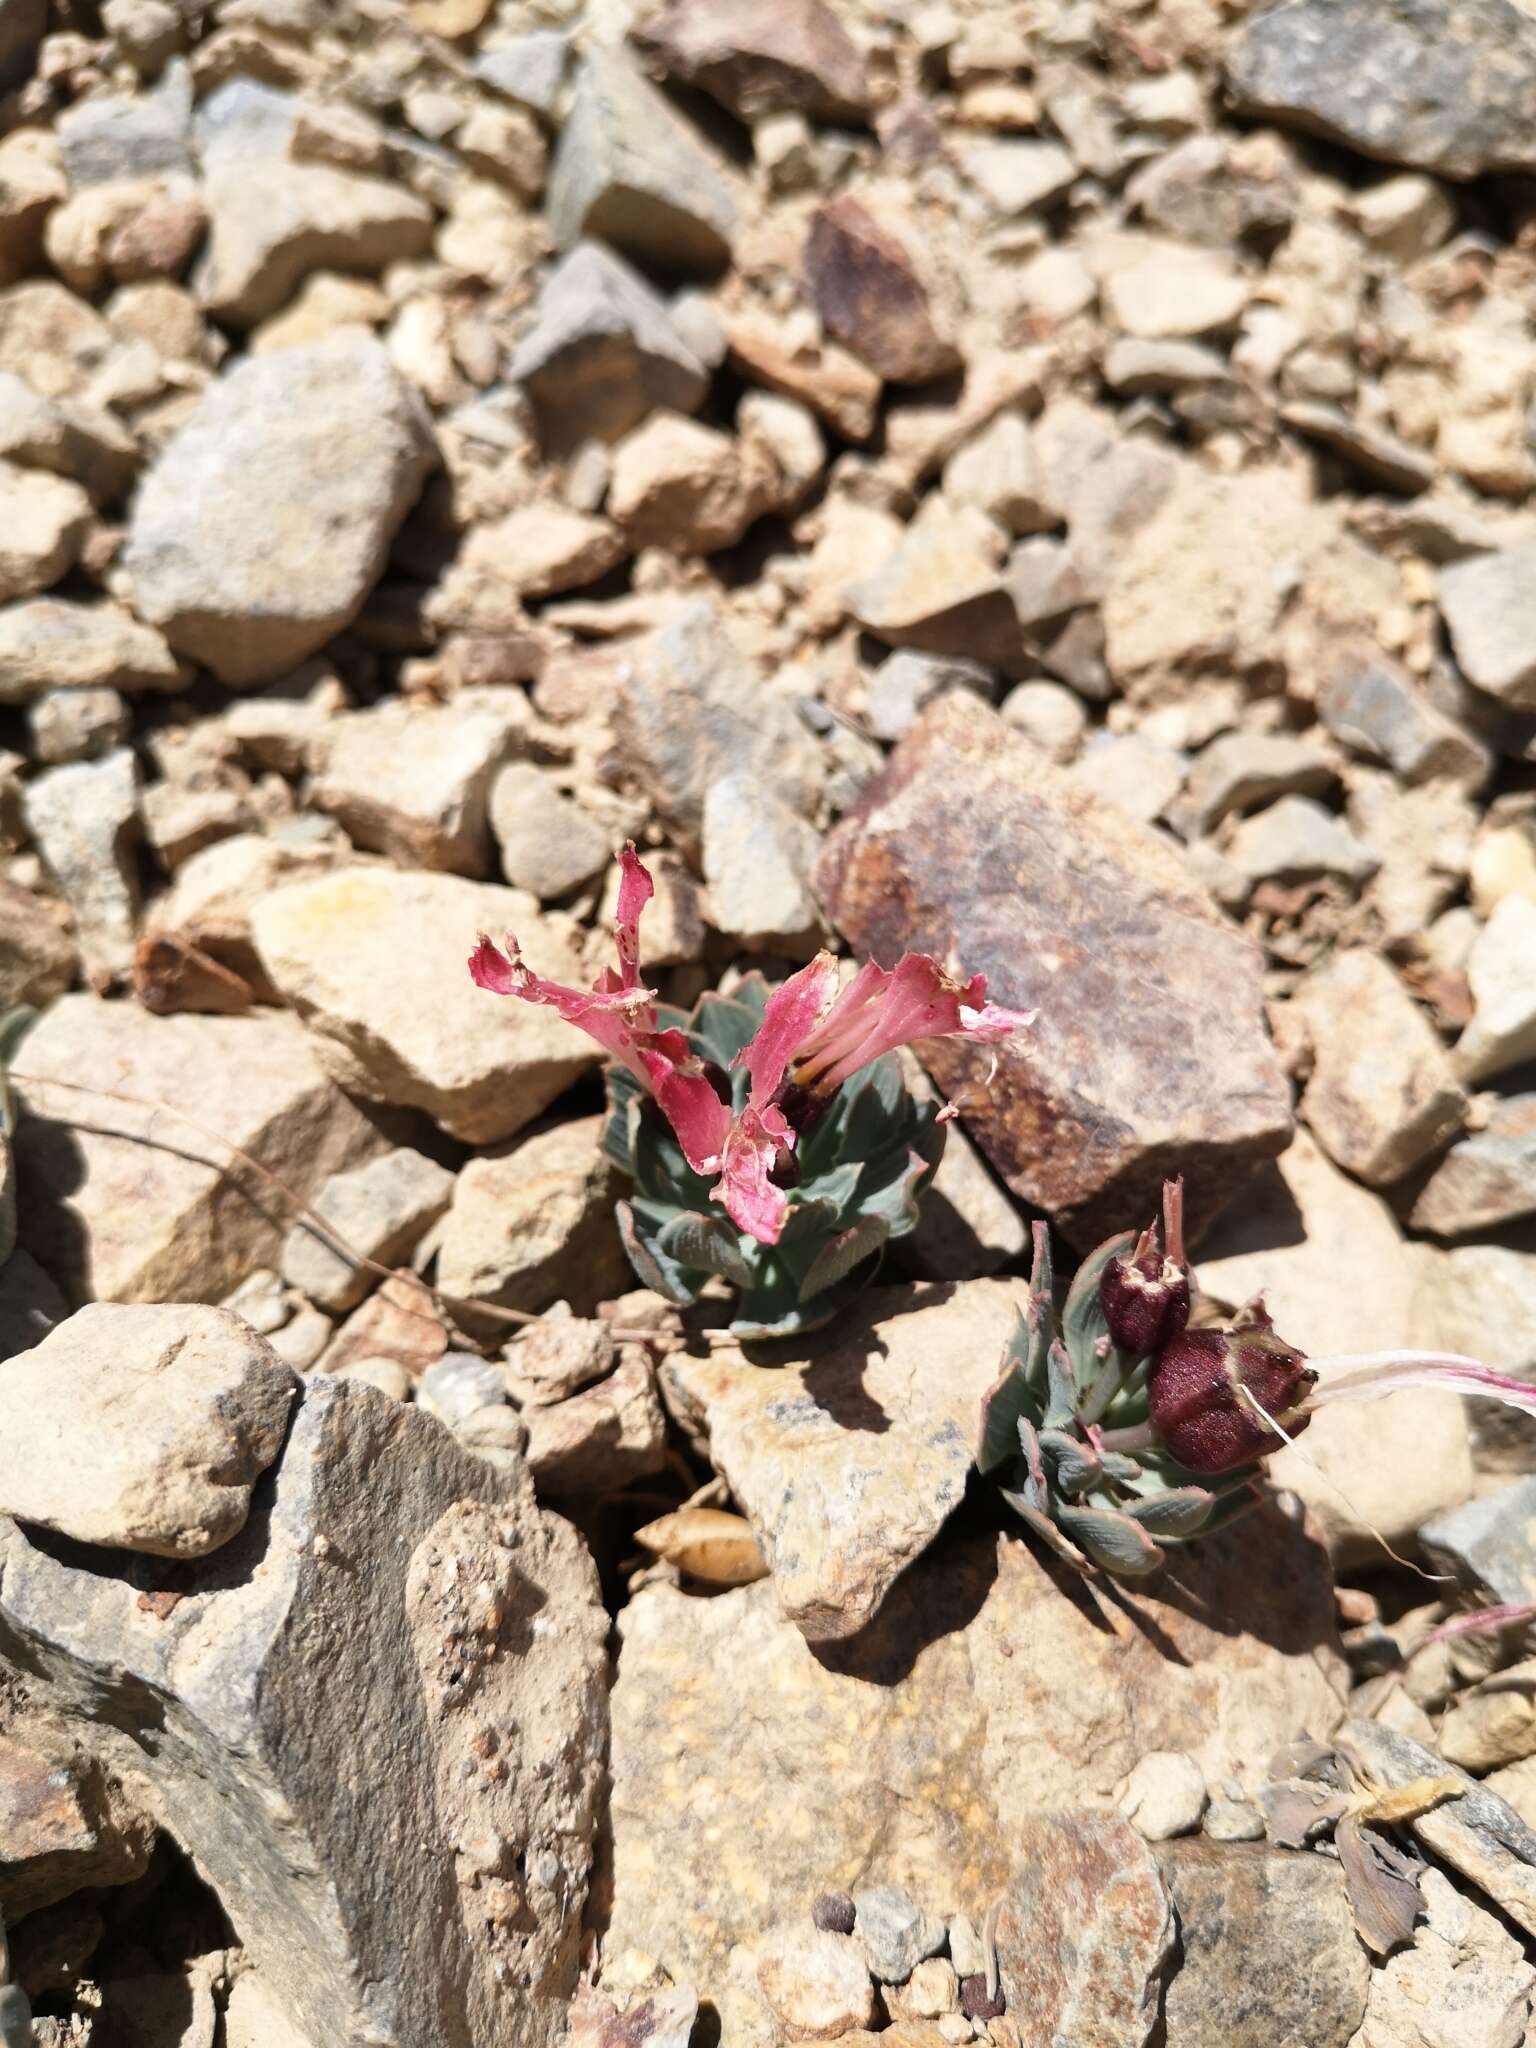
(769,1136)
(1117,1431)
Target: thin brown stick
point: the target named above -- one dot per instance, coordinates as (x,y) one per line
(447,1303)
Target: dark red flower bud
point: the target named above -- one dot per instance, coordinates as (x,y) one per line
(1145,1292)
(1197,1409)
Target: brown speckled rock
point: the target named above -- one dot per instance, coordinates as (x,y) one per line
(1085,1931)
(751,1767)
(1150,1053)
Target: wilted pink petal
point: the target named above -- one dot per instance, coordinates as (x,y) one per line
(686,1098)
(489,968)
(1382,1372)
(635,890)
(745,1187)
(992,1022)
(792,1014)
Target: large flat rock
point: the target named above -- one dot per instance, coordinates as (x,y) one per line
(376,1721)
(124,1200)
(1150,1054)
(753,1770)
(481,1065)
(850,1460)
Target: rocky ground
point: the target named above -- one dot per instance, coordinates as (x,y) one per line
(1049,484)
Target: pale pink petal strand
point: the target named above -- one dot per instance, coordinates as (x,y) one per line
(1382,1372)
(992,1022)
(790,1016)
(1483,1622)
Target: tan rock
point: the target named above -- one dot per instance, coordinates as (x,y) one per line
(49,643)
(942,591)
(540,550)
(1463,1981)
(143,1428)
(982,1693)
(66,1824)
(122,1201)
(43,520)
(863,282)
(535,1223)
(816,1984)
(603,1436)
(834,384)
(849,1462)
(1165,290)
(272,222)
(678,484)
(32,182)
(1382,1094)
(196,951)
(481,1065)
(413,781)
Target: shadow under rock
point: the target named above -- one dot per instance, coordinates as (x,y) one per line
(835,1379)
(939,1595)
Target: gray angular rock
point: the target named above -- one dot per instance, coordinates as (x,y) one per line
(85,822)
(77,725)
(1070,907)
(1449,89)
(894,1932)
(263,526)
(382,1208)
(143,1427)
(628,170)
(602,353)
(1371,703)
(143,134)
(691,708)
(794,58)
(481,1065)
(455,1743)
(120,1200)
(529,69)
(549,845)
(1477,1834)
(1486,1545)
(1488,1178)
(1269,1949)
(907,680)
(1489,604)
(758,856)
(942,591)
(1296,840)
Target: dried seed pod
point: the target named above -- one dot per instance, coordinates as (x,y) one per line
(1211,1392)
(1146,1292)
(708,1544)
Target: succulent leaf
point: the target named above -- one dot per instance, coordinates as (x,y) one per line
(692,1240)
(1098,1364)
(839,1255)
(1111,1539)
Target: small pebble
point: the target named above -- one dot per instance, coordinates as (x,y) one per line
(894,1933)
(1164,1796)
(976,2003)
(1233,1820)
(834,1912)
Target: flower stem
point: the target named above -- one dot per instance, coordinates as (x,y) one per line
(1140,1437)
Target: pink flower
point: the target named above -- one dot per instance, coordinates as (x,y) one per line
(811,1040)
